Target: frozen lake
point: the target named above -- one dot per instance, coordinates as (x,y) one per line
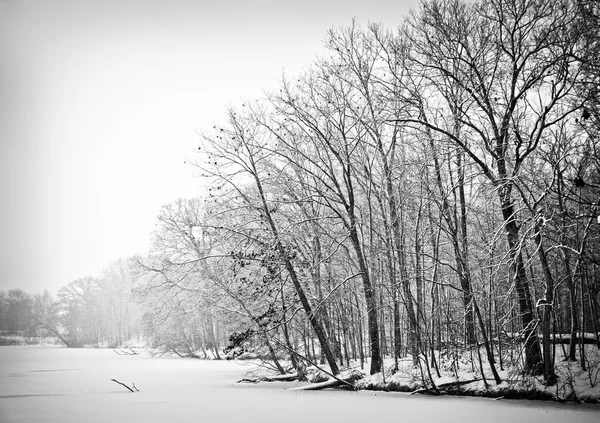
(74,385)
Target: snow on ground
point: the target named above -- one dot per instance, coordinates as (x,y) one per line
(73,385)
(573,383)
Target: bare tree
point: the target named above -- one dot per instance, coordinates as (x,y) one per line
(514,59)
(239,153)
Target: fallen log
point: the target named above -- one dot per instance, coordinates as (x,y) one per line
(283,378)
(456,383)
(278,378)
(125,352)
(556,338)
(424,391)
(331,383)
(443,386)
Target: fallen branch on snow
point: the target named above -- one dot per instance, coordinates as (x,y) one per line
(121,383)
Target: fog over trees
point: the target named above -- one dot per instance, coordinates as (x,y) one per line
(88,311)
(418,190)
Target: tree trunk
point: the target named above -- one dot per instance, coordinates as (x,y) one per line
(398,243)
(322,311)
(286,334)
(486,343)
(408,302)
(545,308)
(312,317)
(460,254)
(533,360)
(370,299)
(574,314)
(465,277)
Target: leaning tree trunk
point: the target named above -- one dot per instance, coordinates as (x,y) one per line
(322,312)
(312,316)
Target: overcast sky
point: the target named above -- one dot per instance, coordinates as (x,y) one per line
(99,103)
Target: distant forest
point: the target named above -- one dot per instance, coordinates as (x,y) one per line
(414,192)
(90,311)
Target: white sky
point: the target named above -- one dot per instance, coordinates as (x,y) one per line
(99,103)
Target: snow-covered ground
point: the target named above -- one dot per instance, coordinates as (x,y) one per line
(463,376)
(40,384)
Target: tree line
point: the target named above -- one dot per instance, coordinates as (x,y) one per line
(89,311)
(414,191)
